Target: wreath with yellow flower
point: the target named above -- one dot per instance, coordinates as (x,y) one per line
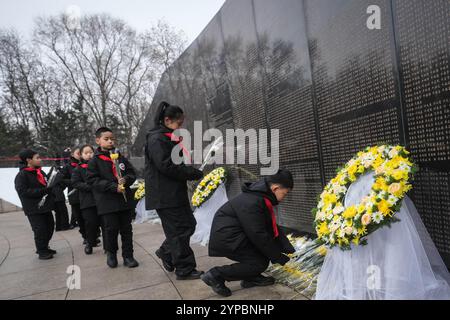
(344,226)
(208,186)
(140,191)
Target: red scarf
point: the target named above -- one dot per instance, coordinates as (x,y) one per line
(272,213)
(40,176)
(84,165)
(105,158)
(178,140)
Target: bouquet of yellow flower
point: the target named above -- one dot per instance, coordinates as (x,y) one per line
(140,191)
(344,226)
(302,271)
(208,186)
(115,158)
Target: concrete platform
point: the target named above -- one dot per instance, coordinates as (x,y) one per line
(24,276)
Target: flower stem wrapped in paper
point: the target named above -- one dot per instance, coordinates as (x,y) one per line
(53,174)
(115,158)
(301,272)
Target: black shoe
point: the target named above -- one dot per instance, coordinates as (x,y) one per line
(72,226)
(259,281)
(193,275)
(88,249)
(130,262)
(111,260)
(217,285)
(97,242)
(48,251)
(166,264)
(85,242)
(45,256)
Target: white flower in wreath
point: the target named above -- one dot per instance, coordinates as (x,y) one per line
(377,217)
(405,167)
(334,225)
(382,194)
(367,160)
(392,200)
(369,205)
(393,153)
(122,166)
(320,216)
(341,233)
(338,189)
(338,209)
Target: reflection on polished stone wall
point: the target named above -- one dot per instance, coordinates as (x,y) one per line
(313,70)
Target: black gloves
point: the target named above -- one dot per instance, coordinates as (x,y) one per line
(282,260)
(289,249)
(198,174)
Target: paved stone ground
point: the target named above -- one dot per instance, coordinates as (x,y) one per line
(24,276)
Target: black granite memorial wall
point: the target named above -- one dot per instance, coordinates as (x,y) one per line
(314,70)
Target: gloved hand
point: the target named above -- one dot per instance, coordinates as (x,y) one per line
(288,249)
(282,260)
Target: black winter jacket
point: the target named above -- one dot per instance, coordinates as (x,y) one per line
(104,184)
(67,172)
(246,221)
(166,181)
(79,182)
(31,192)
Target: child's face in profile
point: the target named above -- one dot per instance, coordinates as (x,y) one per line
(174,124)
(87,154)
(279,192)
(106,141)
(76,154)
(35,161)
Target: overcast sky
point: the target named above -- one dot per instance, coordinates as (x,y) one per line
(191,16)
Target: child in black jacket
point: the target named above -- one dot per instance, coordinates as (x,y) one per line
(169,196)
(244,230)
(87,201)
(111,180)
(74,198)
(31,186)
(61,212)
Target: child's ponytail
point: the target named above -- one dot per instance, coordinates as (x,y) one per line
(159,116)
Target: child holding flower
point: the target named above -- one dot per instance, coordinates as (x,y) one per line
(110,174)
(169,196)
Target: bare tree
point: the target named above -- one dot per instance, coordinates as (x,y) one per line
(31,88)
(99,66)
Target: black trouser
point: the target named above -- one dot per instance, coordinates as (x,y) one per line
(43,226)
(61,216)
(78,218)
(179,225)
(91,225)
(251,263)
(113,224)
